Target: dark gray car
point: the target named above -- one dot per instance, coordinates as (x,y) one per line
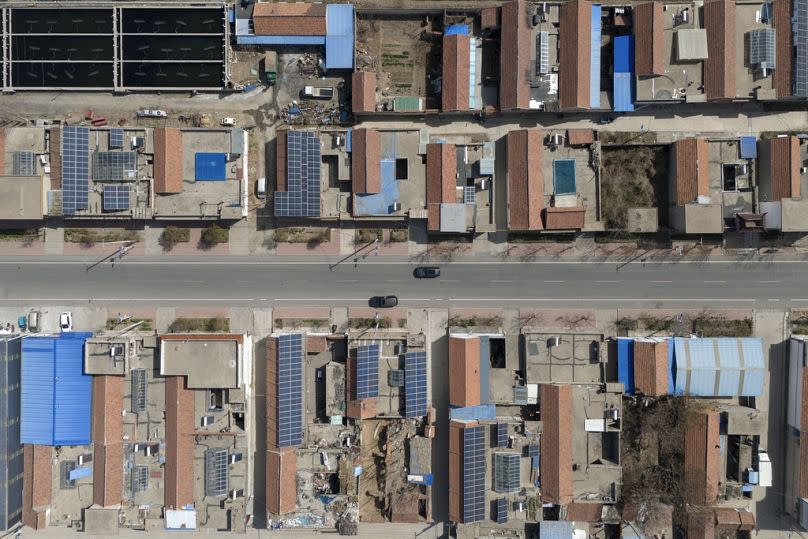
(426,272)
(383,302)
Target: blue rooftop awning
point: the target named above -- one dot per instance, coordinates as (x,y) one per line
(749,147)
(339,39)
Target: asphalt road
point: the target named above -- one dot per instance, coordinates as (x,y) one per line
(169,282)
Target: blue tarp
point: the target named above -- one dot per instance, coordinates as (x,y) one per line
(564,176)
(457,30)
(594,51)
(623,89)
(469,413)
(210,167)
(721,367)
(749,147)
(339,39)
(625,364)
(56,394)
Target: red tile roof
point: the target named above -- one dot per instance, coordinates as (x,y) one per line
(489,18)
(363,91)
(108,440)
(167,160)
(281,495)
(564,218)
(366,161)
(56,157)
(783,46)
(690,169)
(289,19)
(464,371)
(702,459)
(456,53)
(651,367)
(525,179)
(574,60)
(580,137)
(584,512)
(514,57)
(784,161)
(180,425)
(556,443)
(280,160)
(648,39)
(36,485)
(719,67)
(441,180)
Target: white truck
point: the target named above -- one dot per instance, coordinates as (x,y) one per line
(318,92)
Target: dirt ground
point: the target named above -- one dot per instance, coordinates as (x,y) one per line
(633,177)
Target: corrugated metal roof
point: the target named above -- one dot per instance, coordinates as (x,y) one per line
(625,364)
(339,38)
(556,443)
(56,394)
(749,147)
(648,32)
(594,56)
(719,67)
(514,57)
(555,529)
(720,367)
(623,87)
(11,450)
(525,179)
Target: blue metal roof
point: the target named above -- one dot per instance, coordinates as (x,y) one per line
(594,52)
(469,413)
(625,364)
(339,39)
(720,367)
(749,147)
(624,54)
(623,89)
(457,30)
(210,167)
(56,394)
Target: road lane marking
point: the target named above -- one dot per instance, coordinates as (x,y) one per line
(607,282)
(660,282)
(348,281)
(501,280)
(718,282)
(770,282)
(553,281)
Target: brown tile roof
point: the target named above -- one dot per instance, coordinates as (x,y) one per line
(316,344)
(525,179)
(747,520)
(489,18)
(56,157)
(700,525)
(441,180)
(648,39)
(702,459)
(564,218)
(108,440)
(366,161)
(727,518)
(584,512)
(556,443)
(280,160)
(783,47)
(36,485)
(802,485)
(363,91)
(651,367)
(167,160)
(574,60)
(784,161)
(464,371)
(719,67)
(179,425)
(580,137)
(514,57)
(456,51)
(289,19)
(690,167)
(281,481)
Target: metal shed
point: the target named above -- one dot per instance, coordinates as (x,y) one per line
(56,394)
(719,367)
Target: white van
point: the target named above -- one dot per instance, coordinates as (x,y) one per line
(33,321)
(261,188)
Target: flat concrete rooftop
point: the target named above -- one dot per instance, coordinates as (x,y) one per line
(206,363)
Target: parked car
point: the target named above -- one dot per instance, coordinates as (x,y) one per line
(66,321)
(261,188)
(228,122)
(33,321)
(383,302)
(152,113)
(426,272)
(318,92)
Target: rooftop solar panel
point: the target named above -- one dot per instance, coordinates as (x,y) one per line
(289,392)
(415,384)
(367,371)
(115,197)
(502,435)
(302,195)
(502,511)
(801,44)
(533,450)
(116,138)
(75,169)
(23,164)
(506,472)
(216,472)
(114,166)
(473,474)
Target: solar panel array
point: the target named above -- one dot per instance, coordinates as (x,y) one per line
(533,450)
(302,195)
(469,194)
(140,478)
(395,378)
(502,511)
(506,472)
(502,434)
(139,390)
(473,474)
(115,197)
(75,169)
(761,48)
(367,371)
(114,166)
(216,472)
(23,164)
(116,138)
(415,384)
(290,385)
(801,43)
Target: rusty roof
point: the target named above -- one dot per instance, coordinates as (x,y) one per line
(574,54)
(651,367)
(719,67)
(280,159)
(363,91)
(648,39)
(690,168)
(108,440)
(179,426)
(783,47)
(525,179)
(167,160)
(456,53)
(700,524)
(584,512)
(556,443)
(784,162)
(441,180)
(514,56)
(702,458)
(281,481)
(571,218)
(36,485)
(580,137)
(464,371)
(289,19)
(366,161)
